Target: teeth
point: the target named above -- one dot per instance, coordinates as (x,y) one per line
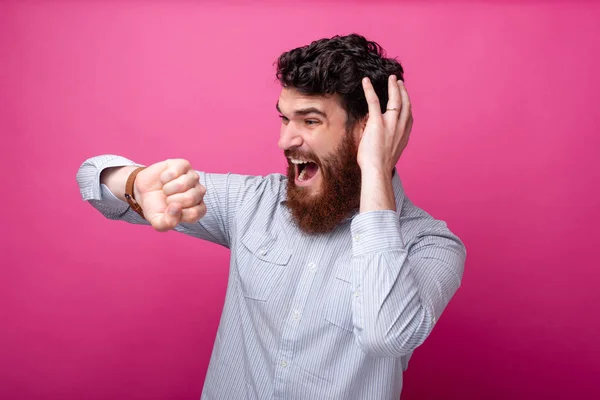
(295,161)
(302,174)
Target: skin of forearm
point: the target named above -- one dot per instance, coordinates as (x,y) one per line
(377,192)
(115,179)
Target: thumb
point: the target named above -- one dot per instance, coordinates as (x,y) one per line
(167,220)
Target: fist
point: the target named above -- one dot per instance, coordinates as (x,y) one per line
(170,192)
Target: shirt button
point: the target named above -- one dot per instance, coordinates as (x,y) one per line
(356,293)
(263,252)
(296,314)
(312,266)
(357,238)
(283,363)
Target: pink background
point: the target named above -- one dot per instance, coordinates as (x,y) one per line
(506,99)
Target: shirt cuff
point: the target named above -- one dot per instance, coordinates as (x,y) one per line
(88,175)
(376,231)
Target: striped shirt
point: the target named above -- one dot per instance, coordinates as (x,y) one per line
(329,316)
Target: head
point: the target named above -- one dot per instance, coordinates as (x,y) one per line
(323,111)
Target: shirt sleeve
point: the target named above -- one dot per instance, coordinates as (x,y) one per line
(224,194)
(400,289)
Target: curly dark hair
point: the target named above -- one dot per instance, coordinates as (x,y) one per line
(337,66)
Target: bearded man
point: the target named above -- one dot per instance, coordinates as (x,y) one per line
(336,277)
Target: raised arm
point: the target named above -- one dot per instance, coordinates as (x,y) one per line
(171,193)
(401,289)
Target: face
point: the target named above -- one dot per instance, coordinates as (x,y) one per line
(323,174)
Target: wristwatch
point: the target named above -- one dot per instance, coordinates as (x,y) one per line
(129,194)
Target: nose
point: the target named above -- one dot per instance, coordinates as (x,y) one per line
(289,137)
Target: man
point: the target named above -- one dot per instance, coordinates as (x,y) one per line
(335,276)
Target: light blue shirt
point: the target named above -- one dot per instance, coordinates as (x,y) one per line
(332,316)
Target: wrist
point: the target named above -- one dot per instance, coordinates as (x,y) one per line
(136,192)
(124,174)
(376,173)
(131,190)
(377,192)
(115,178)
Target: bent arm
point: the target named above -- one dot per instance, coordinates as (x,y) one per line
(102,180)
(401,291)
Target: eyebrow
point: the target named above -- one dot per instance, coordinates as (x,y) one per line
(304,111)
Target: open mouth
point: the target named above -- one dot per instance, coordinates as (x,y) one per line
(305,171)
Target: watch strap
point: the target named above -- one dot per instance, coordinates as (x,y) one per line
(129,192)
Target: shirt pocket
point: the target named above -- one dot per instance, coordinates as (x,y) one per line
(260,264)
(339,299)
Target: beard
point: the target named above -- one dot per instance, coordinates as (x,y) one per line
(338,196)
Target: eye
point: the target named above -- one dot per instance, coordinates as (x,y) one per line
(311,122)
(284,119)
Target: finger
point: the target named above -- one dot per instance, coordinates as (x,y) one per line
(174,169)
(372,99)
(193,214)
(406,112)
(406,132)
(189,198)
(182,184)
(409,124)
(394,104)
(163,222)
